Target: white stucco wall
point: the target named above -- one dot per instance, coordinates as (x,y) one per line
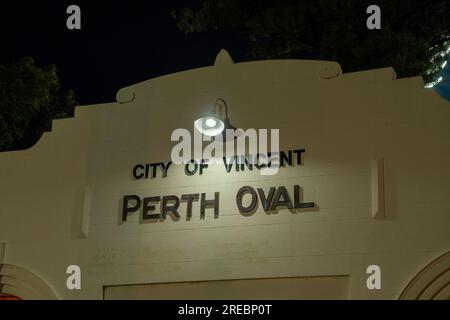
(76,175)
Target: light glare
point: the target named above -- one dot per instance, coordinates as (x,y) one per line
(211,123)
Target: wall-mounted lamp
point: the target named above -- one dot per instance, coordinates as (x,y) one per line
(217,122)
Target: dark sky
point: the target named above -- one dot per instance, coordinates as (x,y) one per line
(120,43)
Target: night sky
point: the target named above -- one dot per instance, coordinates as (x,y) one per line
(120,43)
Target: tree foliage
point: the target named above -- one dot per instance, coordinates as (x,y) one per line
(30,98)
(413,33)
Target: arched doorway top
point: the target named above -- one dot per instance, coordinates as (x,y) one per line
(24,284)
(431,283)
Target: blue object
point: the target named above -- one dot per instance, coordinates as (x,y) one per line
(443,87)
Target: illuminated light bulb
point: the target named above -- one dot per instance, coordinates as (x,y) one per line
(211,123)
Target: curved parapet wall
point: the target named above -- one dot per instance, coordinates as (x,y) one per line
(226,71)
